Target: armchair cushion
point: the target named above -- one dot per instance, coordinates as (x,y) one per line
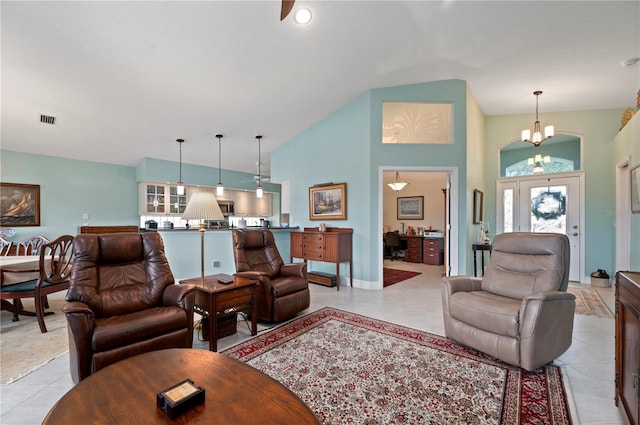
(490,312)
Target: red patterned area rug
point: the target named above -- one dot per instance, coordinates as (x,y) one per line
(352,369)
(391,276)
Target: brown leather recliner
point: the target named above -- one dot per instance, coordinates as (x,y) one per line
(283,289)
(122,301)
(520,311)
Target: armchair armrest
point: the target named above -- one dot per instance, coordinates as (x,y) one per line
(453,284)
(81,320)
(294,270)
(178,295)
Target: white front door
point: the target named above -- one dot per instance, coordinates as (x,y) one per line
(549,205)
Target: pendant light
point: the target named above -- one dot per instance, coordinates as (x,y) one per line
(537,134)
(259,191)
(398,184)
(220,187)
(180,188)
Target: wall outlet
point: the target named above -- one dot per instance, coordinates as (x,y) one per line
(216,263)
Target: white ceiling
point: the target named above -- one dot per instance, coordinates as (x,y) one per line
(125,79)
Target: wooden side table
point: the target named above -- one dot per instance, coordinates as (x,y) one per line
(217,299)
(482,247)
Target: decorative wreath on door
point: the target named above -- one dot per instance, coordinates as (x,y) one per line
(549,205)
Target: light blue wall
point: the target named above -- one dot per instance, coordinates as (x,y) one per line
(598,129)
(336,149)
(69,188)
(346,147)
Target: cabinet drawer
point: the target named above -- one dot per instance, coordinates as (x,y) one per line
(414,242)
(432,259)
(431,244)
(413,256)
(236,298)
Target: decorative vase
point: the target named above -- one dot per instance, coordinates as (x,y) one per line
(322,227)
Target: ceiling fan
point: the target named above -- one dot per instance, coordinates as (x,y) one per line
(255,178)
(287,6)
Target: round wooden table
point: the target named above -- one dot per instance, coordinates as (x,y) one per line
(125,393)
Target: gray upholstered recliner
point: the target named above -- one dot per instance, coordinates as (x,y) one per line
(520,311)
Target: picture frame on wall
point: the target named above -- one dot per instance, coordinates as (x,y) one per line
(635,189)
(328,202)
(478,206)
(411,208)
(19,205)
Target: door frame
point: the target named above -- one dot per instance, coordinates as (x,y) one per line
(499,213)
(452,232)
(622,215)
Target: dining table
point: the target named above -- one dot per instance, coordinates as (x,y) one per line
(13,270)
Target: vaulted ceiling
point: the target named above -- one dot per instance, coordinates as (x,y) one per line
(126,79)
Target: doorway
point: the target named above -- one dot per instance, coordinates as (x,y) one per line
(551,204)
(440,207)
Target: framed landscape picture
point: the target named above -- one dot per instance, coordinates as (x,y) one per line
(411,208)
(328,202)
(19,204)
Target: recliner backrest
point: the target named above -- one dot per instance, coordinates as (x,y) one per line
(255,250)
(119,273)
(525,263)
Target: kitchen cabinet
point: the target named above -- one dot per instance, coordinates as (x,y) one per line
(246,204)
(332,246)
(433,251)
(627,378)
(158,198)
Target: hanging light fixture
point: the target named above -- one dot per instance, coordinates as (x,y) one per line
(180,188)
(259,191)
(398,184)
(220,187)
(537,162)
(537,134)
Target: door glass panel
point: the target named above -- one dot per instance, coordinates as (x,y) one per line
(507,205)
(549,209)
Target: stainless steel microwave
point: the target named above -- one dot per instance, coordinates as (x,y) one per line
(226,207)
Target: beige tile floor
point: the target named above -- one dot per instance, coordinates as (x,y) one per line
(589,363)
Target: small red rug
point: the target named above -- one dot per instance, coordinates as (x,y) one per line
(391,276)
(353,369)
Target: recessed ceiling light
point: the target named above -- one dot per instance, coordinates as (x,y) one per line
(302,16)
(630,62)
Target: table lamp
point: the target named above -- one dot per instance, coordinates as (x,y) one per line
(202,206)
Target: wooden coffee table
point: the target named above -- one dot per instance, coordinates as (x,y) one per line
(218,299)
(125,393)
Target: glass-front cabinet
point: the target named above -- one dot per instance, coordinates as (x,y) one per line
(157,198)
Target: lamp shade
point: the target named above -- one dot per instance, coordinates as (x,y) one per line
(203,206)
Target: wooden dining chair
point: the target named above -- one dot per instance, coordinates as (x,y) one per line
(31,246)
(5,246)
(54,268)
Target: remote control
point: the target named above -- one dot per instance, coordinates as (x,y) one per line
(225,280)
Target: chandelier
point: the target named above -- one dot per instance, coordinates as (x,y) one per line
(220,187)
(398,184)
(180,187)
(537,162)
(537,134)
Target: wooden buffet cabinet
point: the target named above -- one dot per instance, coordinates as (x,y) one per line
(628,346)
(334,245)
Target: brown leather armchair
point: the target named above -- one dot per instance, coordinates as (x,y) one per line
(520,311)
(283,289)
(122,301)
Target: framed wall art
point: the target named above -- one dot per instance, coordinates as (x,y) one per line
(478,206)
(328,202)
(411,208)
(635,189)
(19,204)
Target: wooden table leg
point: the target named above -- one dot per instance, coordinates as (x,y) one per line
(254,311)
(338,276)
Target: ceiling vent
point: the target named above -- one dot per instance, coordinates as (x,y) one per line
(47,119)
